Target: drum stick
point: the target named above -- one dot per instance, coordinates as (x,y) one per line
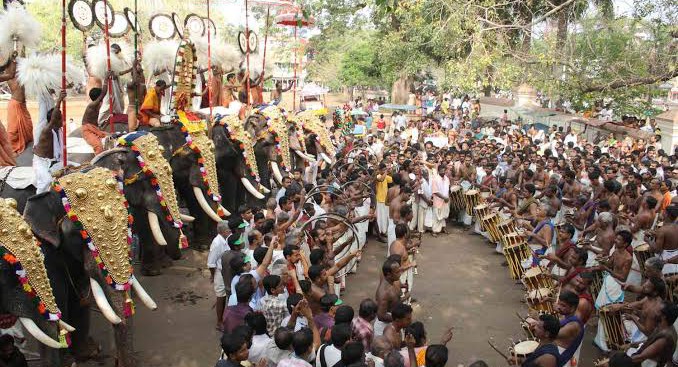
(497,350)
(521,318)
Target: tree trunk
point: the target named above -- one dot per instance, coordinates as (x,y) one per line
(401,89)
(561,35)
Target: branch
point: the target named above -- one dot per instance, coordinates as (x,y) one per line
(633,82)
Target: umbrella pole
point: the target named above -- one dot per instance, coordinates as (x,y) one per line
(136,58)
(64,124)
(247,54)
(263,64)
(209,59)
(108,67)
(294,80)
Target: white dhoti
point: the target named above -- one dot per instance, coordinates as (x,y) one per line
(574,361)
(407,277)
(440,216)
(382,217)
(636,336)
(610,292)
(669,268)
(43,176)
(391,237)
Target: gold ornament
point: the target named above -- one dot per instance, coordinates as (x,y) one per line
(156,163)
(278,125)
(202,142)
(312,123)
(104,218)
(236,131)
(11,203)
(27,252)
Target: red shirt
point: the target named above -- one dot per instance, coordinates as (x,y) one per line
(381,124)
(291,289)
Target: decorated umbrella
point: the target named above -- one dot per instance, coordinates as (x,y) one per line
(293,17)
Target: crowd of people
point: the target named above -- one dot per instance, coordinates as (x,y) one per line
(603,210)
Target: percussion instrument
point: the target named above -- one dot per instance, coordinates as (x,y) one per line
(596,283)
(515,255)
(513,239)
(506,226)
(523,349)
(642,253)
(472,198)
(457,198)
(490,222)
(539,300)
(537,277)
(615,332)
(479,211)
(671,286)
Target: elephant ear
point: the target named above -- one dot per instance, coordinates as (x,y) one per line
(43,213)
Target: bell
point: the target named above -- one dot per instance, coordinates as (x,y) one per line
(81,193)
(111,183)
(11,202)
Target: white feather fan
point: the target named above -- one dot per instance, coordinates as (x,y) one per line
(39,72)
(159,55)
(96,59)
(223,54)
(256,61)
(17,22)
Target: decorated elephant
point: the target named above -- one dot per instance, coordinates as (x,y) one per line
(272,146)
(26,294)
(84,226)
(149,190)
(237,169)
(318,142)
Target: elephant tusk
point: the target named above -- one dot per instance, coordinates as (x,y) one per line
(102,303)
(264,189)
(40,335)
(276,172)
(250,188)
(186,218)
(155,229)
(325,158)
(204,205)
(223,210)
(304,156)
(67,327)
(143,295)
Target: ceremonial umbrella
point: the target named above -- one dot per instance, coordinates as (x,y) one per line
(293,17)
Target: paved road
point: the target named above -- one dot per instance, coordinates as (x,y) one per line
(460,283)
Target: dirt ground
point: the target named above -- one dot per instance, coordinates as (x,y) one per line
(461,283)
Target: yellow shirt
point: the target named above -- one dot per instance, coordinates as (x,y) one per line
(382,188)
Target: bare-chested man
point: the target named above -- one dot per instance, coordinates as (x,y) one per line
(666,239)
(661,344)
(645,312)
(388,294)
(402,318)
(571,188)
(90,128)
(404,247)
(644,220)
(136,92)
(399,212)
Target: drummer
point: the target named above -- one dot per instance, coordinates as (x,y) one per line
(571,331)
(666,240)
(546,330)
(661,343)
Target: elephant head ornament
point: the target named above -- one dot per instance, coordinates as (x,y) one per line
(318,141)
(29,296)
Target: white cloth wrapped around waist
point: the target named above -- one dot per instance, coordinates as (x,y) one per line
(19,178)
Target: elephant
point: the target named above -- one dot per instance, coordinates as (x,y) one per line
(317,141)
(82,223)
(37,312)
(147,178)
(237,168)
(194,188)
(272,147)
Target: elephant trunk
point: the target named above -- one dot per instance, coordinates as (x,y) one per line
(202,201)
(276,172)
(154,223)
(250,188)
(143,295)
(38,334)
(102,303)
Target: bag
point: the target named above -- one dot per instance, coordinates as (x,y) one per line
(321,354)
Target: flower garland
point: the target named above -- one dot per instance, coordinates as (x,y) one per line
(128,141)
(88,240)
(184,122)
